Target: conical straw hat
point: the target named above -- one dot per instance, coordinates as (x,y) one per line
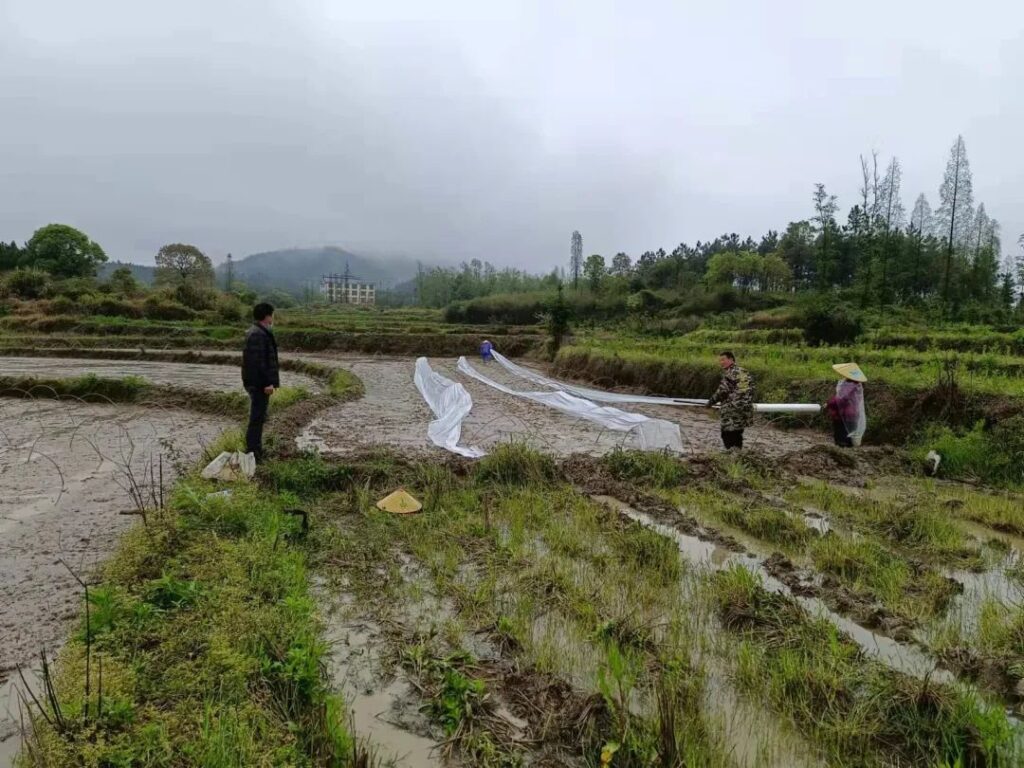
(850,371)
(400,503)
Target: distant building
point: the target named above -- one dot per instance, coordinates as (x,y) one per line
(344,289)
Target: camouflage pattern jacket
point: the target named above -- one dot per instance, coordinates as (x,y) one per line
(735,395)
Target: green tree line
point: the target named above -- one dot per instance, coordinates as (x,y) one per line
(948,259)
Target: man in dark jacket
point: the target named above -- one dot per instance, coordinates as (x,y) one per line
(735,396)
(260,375)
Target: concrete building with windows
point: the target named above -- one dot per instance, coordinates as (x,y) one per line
(343,289)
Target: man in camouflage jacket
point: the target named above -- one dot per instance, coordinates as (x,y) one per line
(735,396)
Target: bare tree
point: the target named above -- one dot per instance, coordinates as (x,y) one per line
(892,215)
(921,217)
(921,226)
(981,226)
(956,208)
(1020,266)
(576,258)
(825,208)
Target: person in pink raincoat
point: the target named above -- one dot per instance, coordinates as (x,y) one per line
(846,407)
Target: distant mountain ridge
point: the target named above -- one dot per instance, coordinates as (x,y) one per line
(294,269)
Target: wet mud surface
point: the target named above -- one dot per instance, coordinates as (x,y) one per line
(195,375)
(63,480)
(393,413)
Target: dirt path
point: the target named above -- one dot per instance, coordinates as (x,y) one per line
(197,375)
(393,413)
(63,475)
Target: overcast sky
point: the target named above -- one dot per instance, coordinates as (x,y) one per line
(490,129)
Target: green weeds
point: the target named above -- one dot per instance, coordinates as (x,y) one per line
(913,527)
(515,464)
(658,470)
(204,649)
(852,707)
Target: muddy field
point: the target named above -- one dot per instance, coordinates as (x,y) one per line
(792,605)
(64,479)
(199,376)
(392,413)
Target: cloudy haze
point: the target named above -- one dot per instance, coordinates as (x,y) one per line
(489,129)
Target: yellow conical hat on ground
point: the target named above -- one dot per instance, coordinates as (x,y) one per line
(400,503)
(850,371)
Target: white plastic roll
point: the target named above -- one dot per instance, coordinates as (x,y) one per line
(786,408)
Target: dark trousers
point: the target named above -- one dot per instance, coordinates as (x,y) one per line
(259,400)
(840,435)
(732,438)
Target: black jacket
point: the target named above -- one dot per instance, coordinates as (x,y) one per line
(259,359)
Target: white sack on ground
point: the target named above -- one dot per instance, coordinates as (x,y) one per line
(229,466)
(618,397)
(450,403)
(654,434)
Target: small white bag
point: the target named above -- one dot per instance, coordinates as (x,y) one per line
(231,466)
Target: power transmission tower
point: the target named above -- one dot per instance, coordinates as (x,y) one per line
(576,258)
(229,279)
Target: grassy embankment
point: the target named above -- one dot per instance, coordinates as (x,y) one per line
(966,404)
(400,332)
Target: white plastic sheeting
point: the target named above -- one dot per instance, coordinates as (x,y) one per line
(654,434)
(590,394)
(450,403)
(618,397)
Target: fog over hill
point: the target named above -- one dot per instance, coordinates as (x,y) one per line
(294,269)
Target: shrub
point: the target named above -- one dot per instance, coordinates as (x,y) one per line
(159,307)
(230,309)
(27,284)
(195,296)
(644,302)
(75,287)
(995,455)
(122,281)
(110,306)
(62,305)
(830,323)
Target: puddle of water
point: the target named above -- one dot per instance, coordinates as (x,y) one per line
(383,705)
(377,717)
(816,519)
(754,736)
(694,549)
(983,534)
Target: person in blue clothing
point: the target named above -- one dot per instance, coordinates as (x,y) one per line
(485,351)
